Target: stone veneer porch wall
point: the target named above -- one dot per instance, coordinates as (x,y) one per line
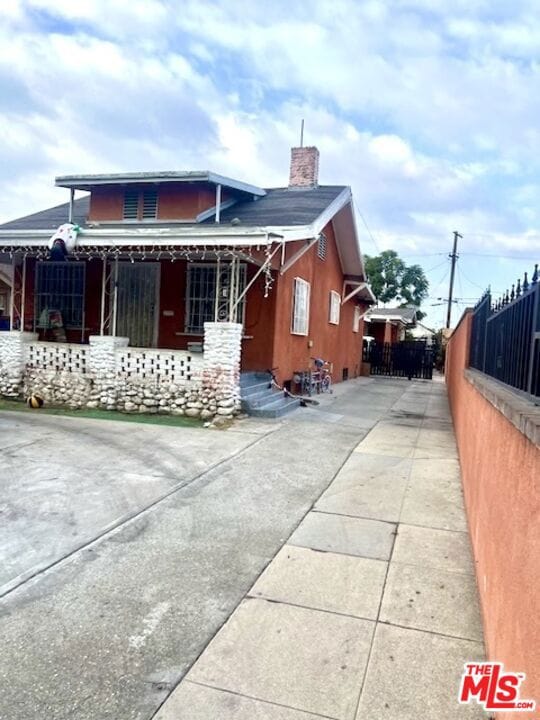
(108,374)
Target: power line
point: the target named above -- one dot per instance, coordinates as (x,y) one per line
(369,231)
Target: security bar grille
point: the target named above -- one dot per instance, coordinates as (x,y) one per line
(60,287)
(201,295)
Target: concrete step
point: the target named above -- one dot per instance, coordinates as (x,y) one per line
(255,389)
(276,409)
(260,399)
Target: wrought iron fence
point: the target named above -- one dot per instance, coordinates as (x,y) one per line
(505,336)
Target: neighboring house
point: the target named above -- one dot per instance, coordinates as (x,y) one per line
(422,332)
(159,254)
(5,295)
(390,324)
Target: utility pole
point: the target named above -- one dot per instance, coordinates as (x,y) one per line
(454,256)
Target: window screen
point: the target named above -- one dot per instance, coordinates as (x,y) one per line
(335,306)
(300,318)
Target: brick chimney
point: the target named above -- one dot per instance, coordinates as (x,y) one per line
(304,167)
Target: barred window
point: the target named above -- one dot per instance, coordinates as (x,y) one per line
(335,306)
(60,286)
(300,314)
(201,295)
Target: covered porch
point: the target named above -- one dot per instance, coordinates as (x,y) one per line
(157,295)
(143,327)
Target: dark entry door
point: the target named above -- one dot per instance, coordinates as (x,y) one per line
(138,285)
(410,358)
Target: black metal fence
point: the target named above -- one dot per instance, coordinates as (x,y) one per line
(409,358)
(505,336)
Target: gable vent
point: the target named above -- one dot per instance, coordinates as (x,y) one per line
(149,204)
(131,203)
(321,246)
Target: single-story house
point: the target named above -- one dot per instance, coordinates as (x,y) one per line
(160,258)
(388,325)
(422,332)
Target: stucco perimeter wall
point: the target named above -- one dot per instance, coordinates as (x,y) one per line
(500,467)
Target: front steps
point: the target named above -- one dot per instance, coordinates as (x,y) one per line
(260,399)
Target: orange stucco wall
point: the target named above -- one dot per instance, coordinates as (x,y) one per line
(337,344)
(501,480)
(175,202)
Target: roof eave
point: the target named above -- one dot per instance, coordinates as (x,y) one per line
(86,182)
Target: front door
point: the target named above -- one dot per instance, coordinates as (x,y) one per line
(138,300)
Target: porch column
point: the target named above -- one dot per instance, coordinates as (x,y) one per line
(13,361)
(388,331)
(221,368)
(102,368)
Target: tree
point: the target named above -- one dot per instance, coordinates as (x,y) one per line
(392,279)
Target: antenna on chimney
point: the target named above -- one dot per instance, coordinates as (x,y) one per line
(302,133)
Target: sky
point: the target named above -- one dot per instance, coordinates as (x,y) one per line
(429,110)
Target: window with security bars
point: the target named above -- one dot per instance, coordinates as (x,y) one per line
(131,204)
(60,287)
(300,314)
(335,306)
(202,285)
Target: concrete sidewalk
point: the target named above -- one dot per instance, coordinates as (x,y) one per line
(370,609)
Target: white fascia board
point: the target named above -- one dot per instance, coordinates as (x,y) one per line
(358,241)
(74,181)
(147,237)
(328,213)
(236,184)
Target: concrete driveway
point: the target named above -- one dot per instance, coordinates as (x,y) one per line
(124,548)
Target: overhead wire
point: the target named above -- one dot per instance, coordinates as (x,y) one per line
(368,230)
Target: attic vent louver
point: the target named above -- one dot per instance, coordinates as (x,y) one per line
(149,204)
(131,203)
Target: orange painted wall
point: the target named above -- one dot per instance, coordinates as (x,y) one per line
(501,480)
(335,343)
(106,204)
(175,202)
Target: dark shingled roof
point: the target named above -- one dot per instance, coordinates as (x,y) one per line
(280,206)
(53,217)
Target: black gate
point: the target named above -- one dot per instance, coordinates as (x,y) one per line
(410,359)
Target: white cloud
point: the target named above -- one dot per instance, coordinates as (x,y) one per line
(428,110)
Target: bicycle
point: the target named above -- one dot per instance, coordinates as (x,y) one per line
(287,393)
(323,374)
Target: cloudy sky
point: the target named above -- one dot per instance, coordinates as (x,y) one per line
(429,110)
